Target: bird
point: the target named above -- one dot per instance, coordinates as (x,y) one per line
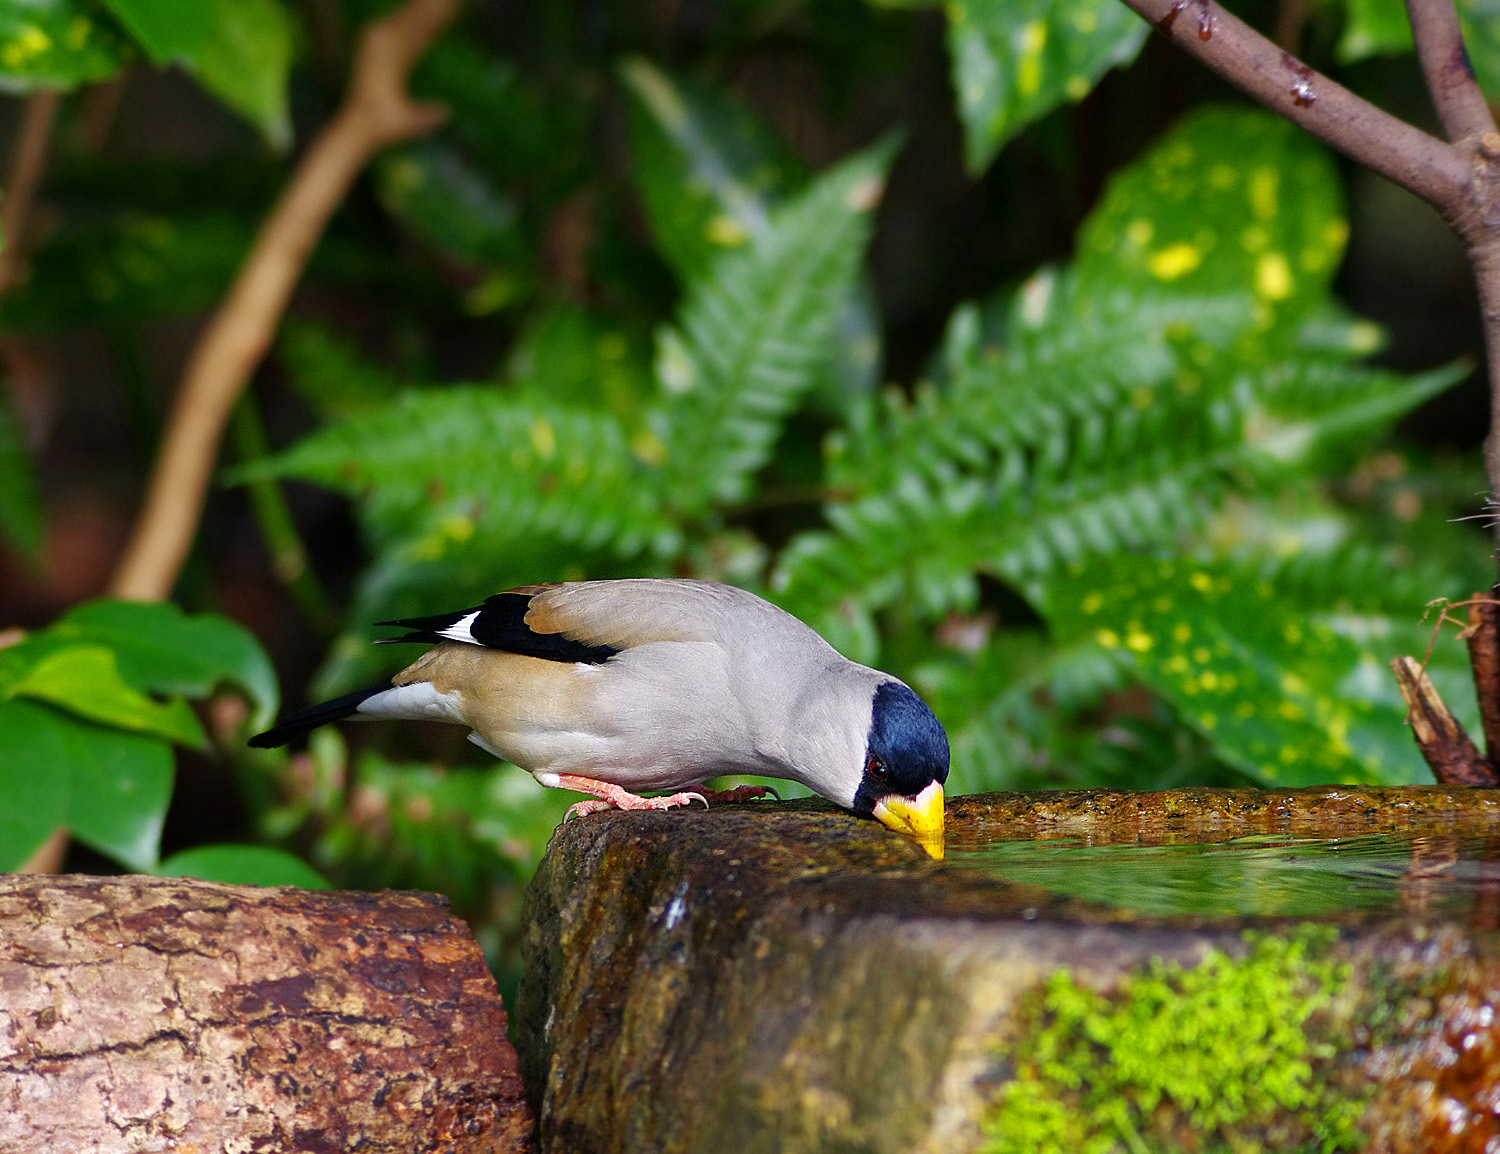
(611,688)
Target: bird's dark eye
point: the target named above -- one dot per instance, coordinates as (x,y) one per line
(875,767)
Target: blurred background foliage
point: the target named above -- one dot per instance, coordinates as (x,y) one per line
(1003,345)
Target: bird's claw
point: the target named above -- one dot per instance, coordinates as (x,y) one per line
(741,793)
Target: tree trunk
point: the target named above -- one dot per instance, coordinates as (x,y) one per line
(147,1014)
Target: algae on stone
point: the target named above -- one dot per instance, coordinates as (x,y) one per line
(1223,1050)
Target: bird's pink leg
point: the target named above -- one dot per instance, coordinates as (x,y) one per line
(613,797)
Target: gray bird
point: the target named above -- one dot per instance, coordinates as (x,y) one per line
(615,687)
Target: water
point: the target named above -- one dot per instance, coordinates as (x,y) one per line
(1432,875)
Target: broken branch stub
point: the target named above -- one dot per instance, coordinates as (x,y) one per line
(1452,756)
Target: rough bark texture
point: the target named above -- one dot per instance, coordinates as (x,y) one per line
(1483,636)
(786,978)
(143,1014)
(1450,753)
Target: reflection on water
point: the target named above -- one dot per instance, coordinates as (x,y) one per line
(1440,876)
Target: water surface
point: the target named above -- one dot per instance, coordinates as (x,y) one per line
(1263,874)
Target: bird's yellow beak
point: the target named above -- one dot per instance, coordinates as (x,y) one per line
(920,817)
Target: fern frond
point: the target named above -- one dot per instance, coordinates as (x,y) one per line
(754,333)
(436,469)
(1017,493)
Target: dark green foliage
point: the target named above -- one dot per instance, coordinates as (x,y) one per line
(20,508)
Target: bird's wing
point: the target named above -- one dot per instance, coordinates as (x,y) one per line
(624,614)
(591,621)
(500,623)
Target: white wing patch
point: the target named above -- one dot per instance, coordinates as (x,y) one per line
(418,701)
(459,630)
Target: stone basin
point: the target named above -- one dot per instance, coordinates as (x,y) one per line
(1191,970)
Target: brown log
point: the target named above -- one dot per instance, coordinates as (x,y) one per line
(148,1014)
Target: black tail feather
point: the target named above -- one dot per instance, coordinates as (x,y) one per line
(294,725)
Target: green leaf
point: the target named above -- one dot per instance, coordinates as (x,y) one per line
(85,680)
(708,171)
(122,785)
(240,50)
(35,780)
(168,30)
(109,787)
(1016,60)
(55,44)
(755,332)
(20,504)
(242,865)
(160,649)
(1271,688)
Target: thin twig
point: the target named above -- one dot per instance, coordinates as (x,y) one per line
(1436,171)
(1455,93)
(26,166)
(378,111)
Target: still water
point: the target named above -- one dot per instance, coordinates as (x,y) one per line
(1268,874)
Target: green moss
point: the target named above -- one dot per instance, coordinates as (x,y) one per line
(1223,1051)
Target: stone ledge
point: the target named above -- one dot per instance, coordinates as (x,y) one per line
(784,977)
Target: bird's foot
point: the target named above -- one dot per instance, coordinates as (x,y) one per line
(607,796)
(739,793)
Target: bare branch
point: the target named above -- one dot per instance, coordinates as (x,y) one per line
(1460,105)
(1434,170)
(26,165)
(378,111)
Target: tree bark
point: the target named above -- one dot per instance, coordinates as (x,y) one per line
(148,1014)
(1450,753)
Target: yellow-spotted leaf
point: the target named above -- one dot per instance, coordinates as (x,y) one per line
(56,44)
(85,680)
(1230,201)
(1014,62)
(1268,685)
